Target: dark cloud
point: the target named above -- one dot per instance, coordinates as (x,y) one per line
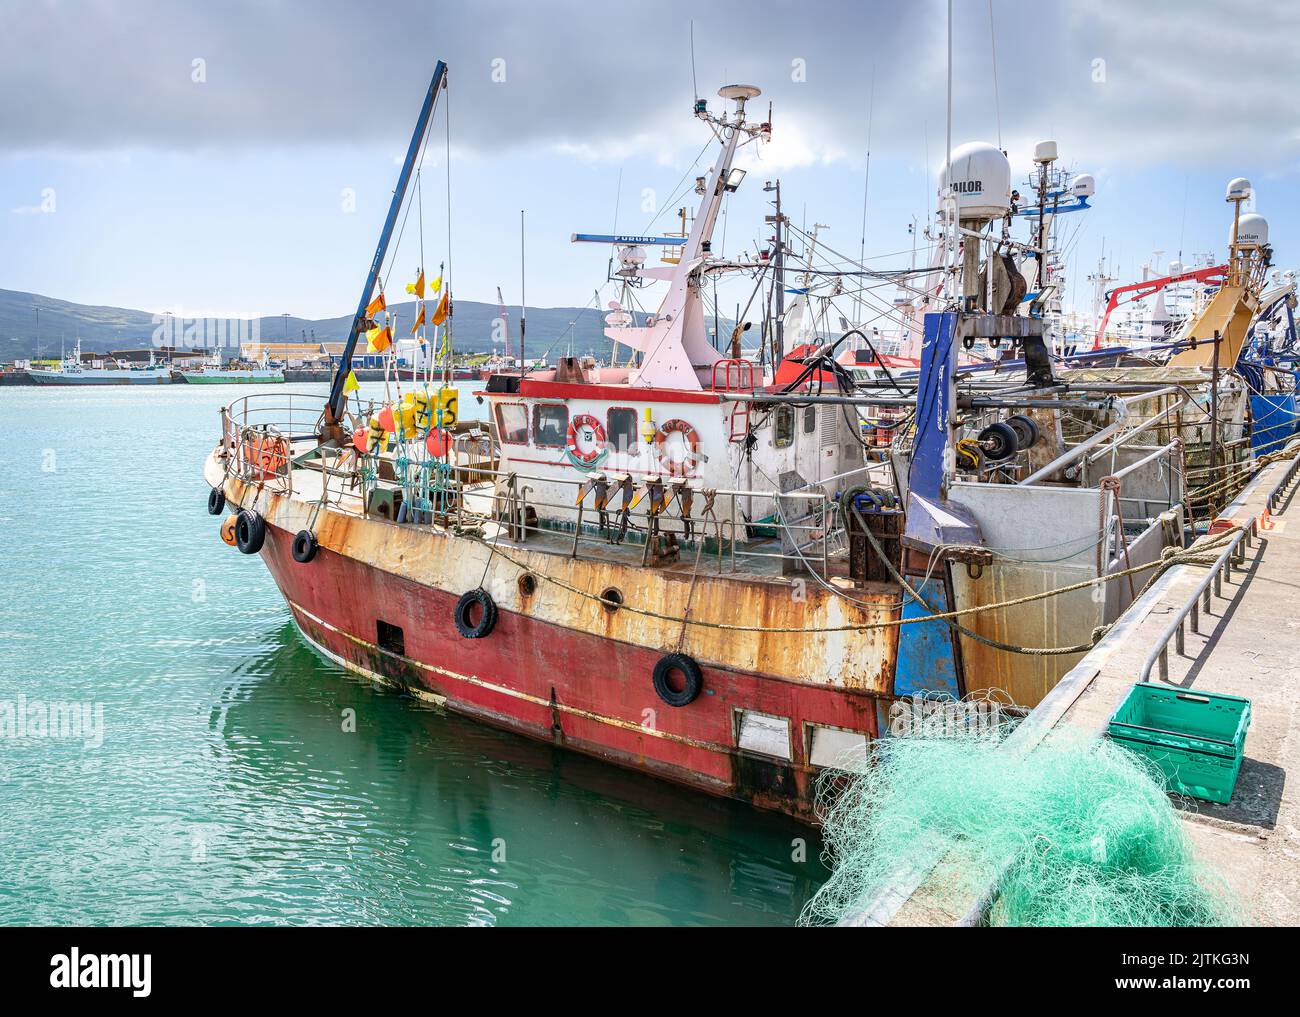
(1180,78)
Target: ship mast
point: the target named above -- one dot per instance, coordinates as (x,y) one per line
(332,424)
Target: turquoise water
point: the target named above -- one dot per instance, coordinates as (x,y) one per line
(226,784)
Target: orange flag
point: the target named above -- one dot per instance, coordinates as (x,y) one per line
(379,339)
(419,320)
(443,309)
(376,305)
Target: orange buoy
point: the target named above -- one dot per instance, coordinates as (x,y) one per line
(437,442)
(228,529)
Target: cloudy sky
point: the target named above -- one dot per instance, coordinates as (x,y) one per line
(238,157)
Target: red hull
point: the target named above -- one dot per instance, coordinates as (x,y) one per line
(572,688)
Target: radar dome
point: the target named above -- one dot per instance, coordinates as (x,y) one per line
(1175,268)
(1238,189)
(981,178)
(1084,186)
(1252,228)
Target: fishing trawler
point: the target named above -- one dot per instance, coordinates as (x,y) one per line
(690,565)
(73,371)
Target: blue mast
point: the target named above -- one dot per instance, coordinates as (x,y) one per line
(334,409)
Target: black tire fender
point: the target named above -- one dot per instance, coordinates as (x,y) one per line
(250,532)
(304,546)
(487,619)
(690,672)
(216,501)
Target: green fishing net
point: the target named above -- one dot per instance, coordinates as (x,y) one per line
(1071,834)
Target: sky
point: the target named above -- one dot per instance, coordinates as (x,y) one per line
(237,158)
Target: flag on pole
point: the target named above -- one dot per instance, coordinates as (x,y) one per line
(417,287)
(350,383)
(437,284)
(376,305)
(419,320)
(379,339)
(440,313)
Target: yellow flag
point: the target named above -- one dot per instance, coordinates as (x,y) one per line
(437,284)
(350,383)
(440,313)
(417,287)
(379,339)
(419,320)
(376,305)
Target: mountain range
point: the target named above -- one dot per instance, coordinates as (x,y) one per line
(33,325)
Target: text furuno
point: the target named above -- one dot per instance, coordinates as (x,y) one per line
(74,970)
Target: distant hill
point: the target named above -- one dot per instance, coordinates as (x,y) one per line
(32,325)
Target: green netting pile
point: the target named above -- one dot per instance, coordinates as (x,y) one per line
(1072,834)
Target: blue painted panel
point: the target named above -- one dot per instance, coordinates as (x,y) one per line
(926,661)
(1274,421)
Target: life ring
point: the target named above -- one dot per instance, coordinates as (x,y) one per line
(692,679)
(250,532)
(463,614)
(678,467)
(304,546)
(216,501)
(585,442)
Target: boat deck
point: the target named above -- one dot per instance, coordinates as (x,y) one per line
(1249,645)
(759,559)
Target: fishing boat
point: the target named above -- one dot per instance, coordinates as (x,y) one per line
(693,564)
(73,371)
(214,372)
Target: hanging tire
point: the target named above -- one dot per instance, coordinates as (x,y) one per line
(1026,430)
(475,601)
(216,501)
(999,442)
(304,546)
(692,679)
(250,532)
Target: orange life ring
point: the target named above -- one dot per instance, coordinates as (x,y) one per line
(585,442)
(685,465)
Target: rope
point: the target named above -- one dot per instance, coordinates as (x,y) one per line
(1195,555)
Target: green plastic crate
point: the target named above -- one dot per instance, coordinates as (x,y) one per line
(1195,738)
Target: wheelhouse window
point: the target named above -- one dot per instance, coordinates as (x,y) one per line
(620,427)
(783,426)
(550,425)
(809,419)
(512,423)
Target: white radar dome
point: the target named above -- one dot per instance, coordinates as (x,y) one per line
(981,178)
(1252,228)
(1084,186)
(1238,189)
(1175,268)
(1045,151)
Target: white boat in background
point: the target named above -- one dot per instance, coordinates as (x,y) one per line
(71,371)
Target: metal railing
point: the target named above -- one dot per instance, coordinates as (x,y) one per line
(1280,489)
(1222,567)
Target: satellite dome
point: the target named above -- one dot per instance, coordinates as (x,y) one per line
(981,178)
(1252,228)
(1238,189)
(1084,186)
(1175,268)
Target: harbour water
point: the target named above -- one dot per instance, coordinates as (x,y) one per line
(239,778)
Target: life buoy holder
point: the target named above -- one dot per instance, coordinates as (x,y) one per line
(304,546)
(250,532)
(692,679)
(585,442)
(685,466)
(464,614)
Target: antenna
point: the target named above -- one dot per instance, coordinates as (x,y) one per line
(694,86)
